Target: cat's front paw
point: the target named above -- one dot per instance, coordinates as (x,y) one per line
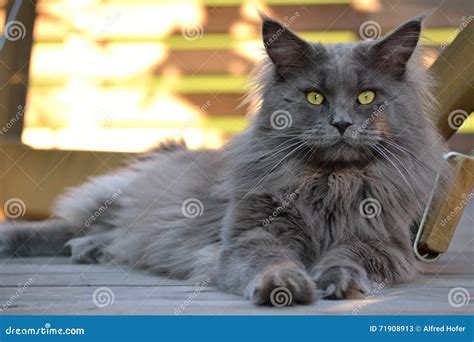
(340,282)
(85,250)
(281,285)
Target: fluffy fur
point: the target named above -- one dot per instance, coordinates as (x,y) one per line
(280,207)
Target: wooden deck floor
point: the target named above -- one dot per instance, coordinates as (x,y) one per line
(54,286)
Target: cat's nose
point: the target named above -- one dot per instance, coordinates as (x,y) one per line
(341,125)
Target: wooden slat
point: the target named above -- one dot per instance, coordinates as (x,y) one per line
(79,275)
(445,215)
(222,84)
(162,300)
(38,176)
(301,16)
(222,41)
(224,123)
(222,105)
(204,62)
(211,41)
(454,73)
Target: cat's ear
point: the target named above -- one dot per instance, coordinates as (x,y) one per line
(393,51)
(286,50)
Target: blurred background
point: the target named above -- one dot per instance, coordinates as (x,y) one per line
(84,82)
(120,75)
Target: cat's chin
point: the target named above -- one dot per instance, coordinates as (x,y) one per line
(337,164)
(340,164)
(342,156)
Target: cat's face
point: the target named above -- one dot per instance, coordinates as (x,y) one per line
(339,100)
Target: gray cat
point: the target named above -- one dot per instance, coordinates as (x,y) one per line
(319,193)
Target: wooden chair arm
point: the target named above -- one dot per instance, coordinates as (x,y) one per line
(454,74)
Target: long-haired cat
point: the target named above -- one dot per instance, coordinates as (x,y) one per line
(319,193)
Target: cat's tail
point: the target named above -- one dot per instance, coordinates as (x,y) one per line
(36,238)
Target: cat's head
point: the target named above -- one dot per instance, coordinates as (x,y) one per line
(339,100)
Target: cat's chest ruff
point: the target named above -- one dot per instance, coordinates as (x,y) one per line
(330,202)
(341,185)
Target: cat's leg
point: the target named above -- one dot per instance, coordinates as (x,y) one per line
(91,249)
(260,267)
(260,264)
(35,238)
(350,269)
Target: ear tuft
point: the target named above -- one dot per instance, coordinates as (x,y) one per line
(286,50)
(393,51)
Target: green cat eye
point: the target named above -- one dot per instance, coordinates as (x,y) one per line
(366,97)
(315,98)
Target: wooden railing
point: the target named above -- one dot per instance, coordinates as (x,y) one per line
(454,72)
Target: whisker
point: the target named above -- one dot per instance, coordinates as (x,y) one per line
(274,167)
(266,156)
(395,166)
(401,163)
(273,149)
(413,157)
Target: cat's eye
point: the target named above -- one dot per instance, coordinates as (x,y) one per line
(366,97)
(315,98)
